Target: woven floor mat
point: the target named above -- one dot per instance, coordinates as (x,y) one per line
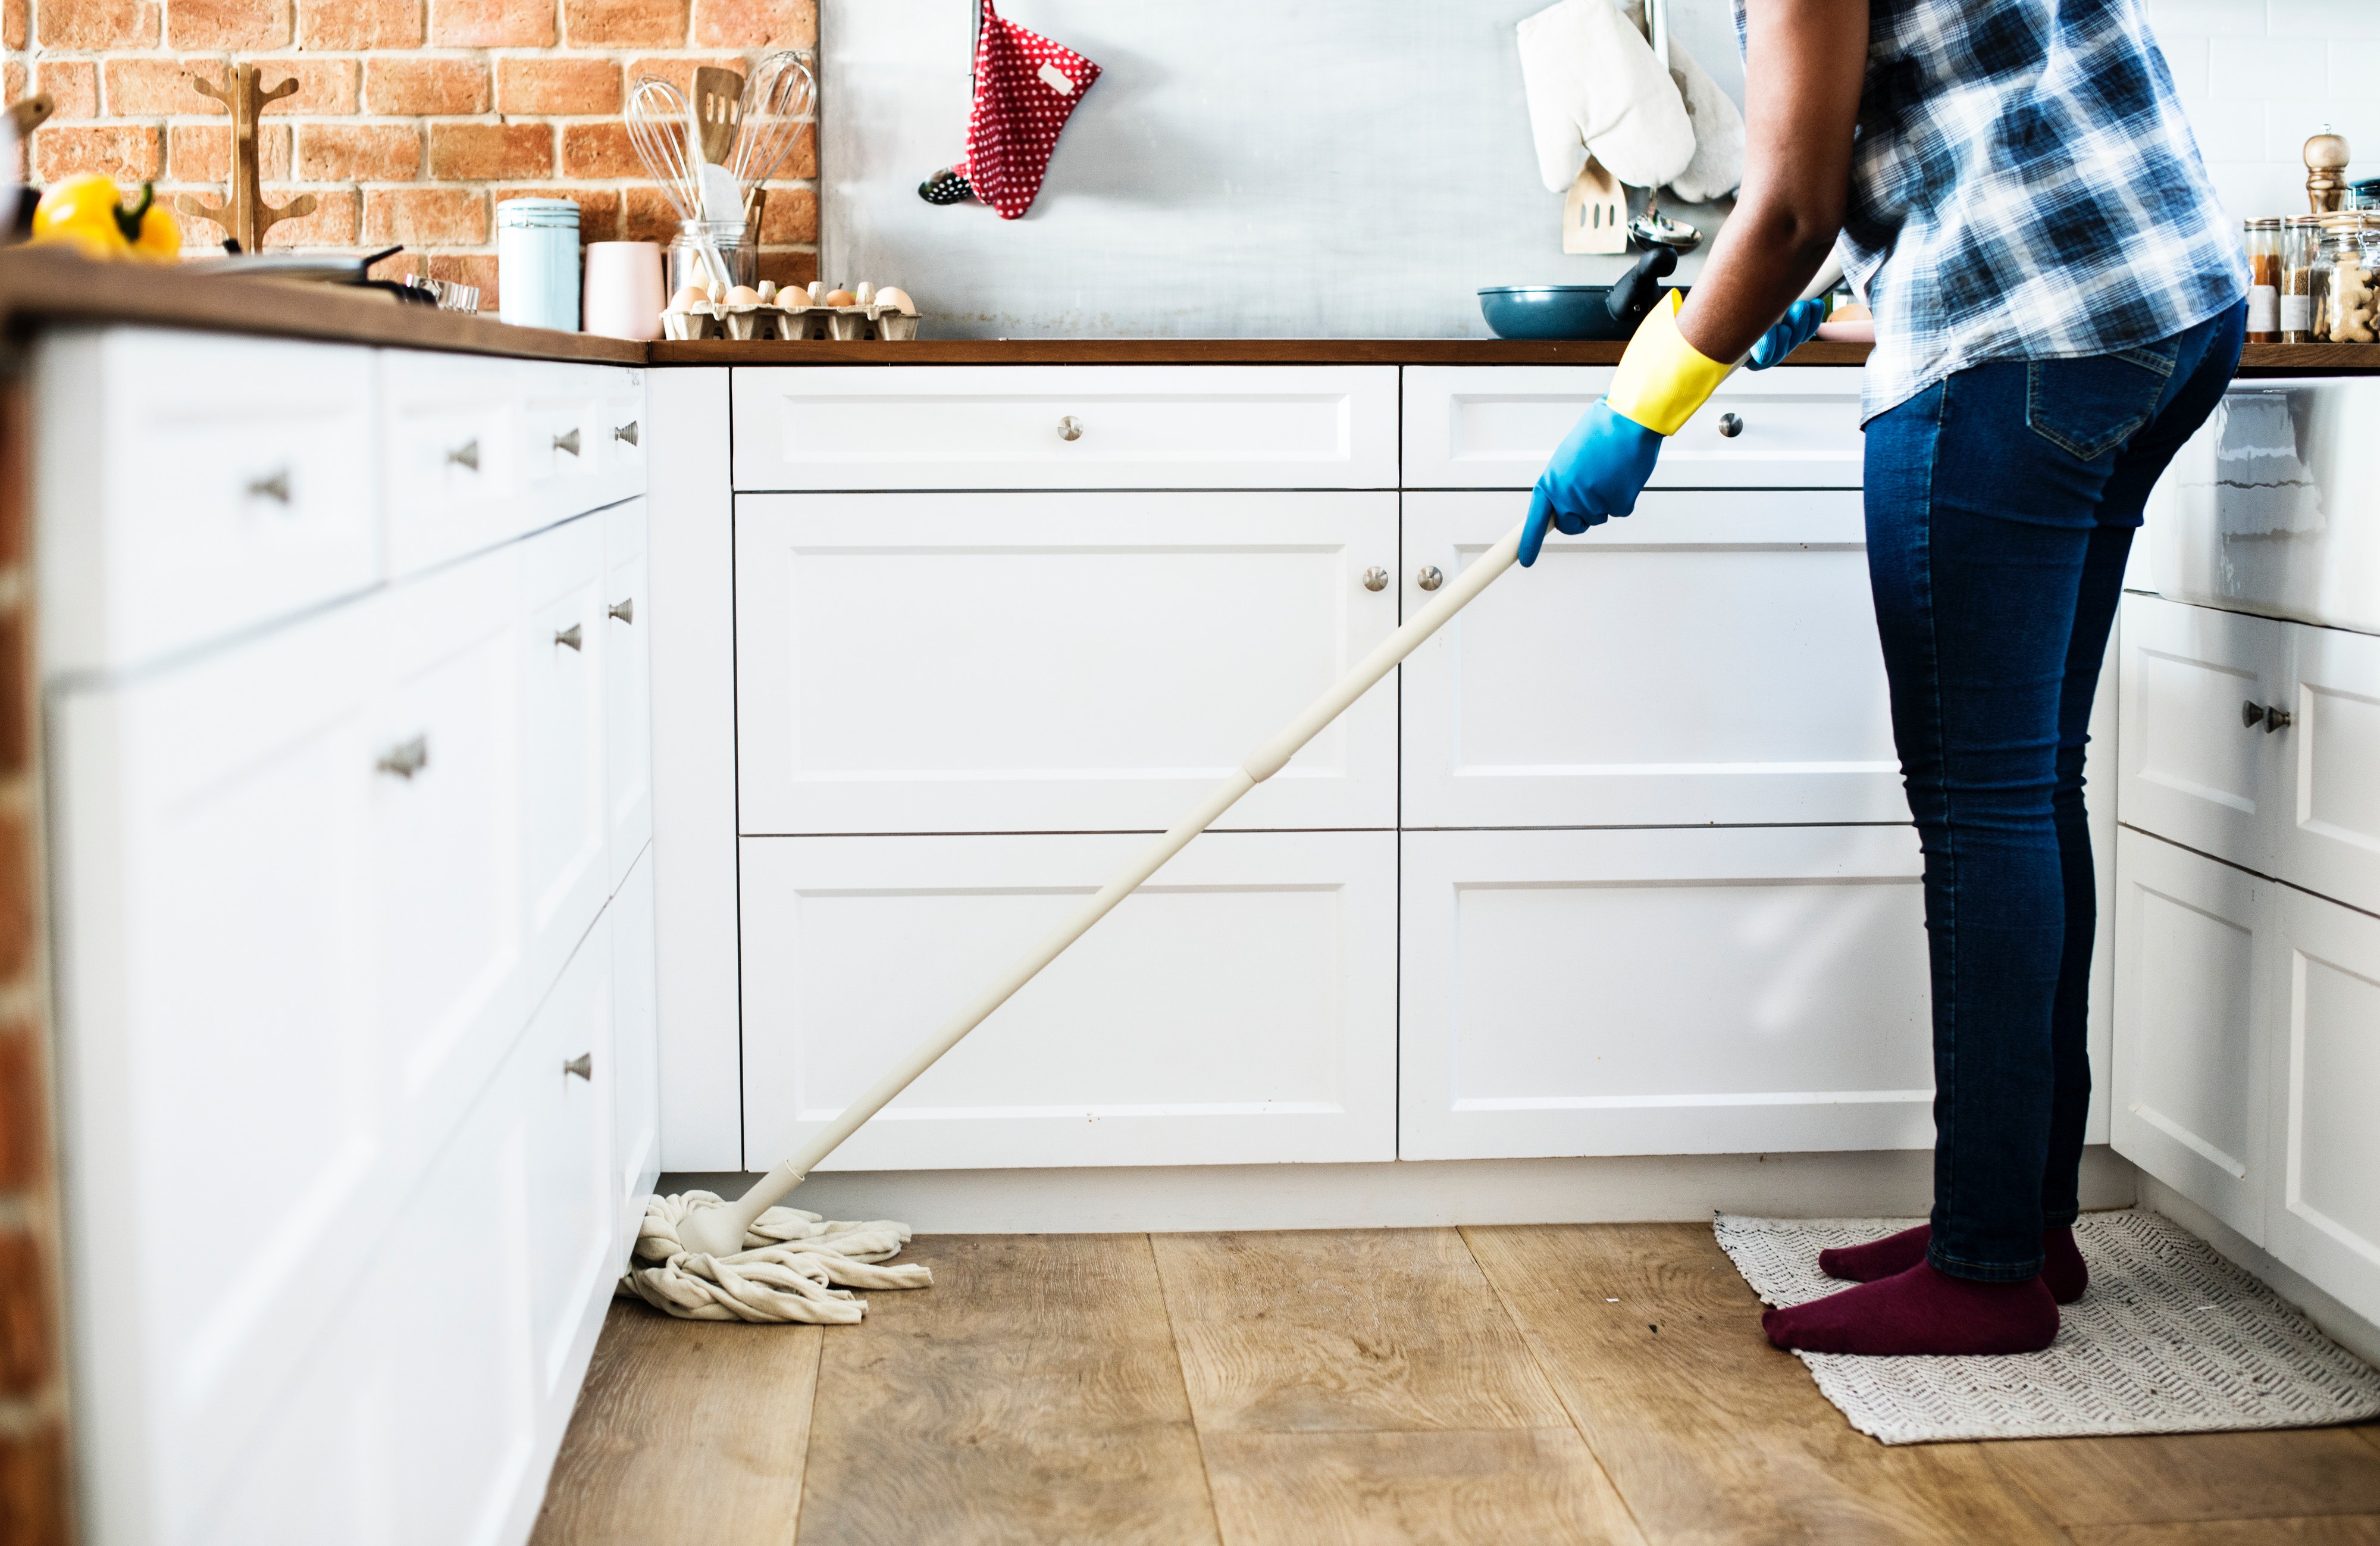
(2171,1338)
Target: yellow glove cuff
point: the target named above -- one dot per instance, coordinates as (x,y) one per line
(1662,378)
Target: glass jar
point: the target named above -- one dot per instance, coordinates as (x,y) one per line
(537,263)
(2345,304)
(2264,280)
(736,248)
(2300,251)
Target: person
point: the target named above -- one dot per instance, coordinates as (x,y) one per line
(2059,302)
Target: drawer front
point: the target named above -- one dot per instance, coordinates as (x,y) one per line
(450,437)
(624,427)
(562,643)
(1066,427)
(2324,1216)
(2193,1035)
(1055,662)
(2194,768)
(1663,992)
(1237,1009)
(574,1208)
(192,487)
(628,713)
(2328,816)
(1493,427)
(1711,659)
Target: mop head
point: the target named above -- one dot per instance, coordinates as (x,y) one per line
(794,1266)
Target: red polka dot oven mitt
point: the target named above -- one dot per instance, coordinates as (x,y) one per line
(1025,89)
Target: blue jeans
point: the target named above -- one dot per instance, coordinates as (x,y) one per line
(2001,508)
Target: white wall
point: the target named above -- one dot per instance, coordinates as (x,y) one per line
(2260,76)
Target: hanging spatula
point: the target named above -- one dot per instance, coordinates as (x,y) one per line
(718,112)
(1594,211)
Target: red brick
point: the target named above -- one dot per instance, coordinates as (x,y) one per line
(13,74)
(647,215)
(15,708)
(459,152)
(19,896)
(468,268)
(128,152)
(328,24)
(26,1361)
(557,86)
(15,492)
(73,84)
(625,23)
(599,150)
(678,70)
(792,270)
(228,24)
(491,23)
(324,86)
(14,14)
(752,23)
(425,216)
(24,1111)
(791,215)
(201,152)
(359,152)
(598,208)
(33,1486)
(425,85)
(149,87)
(98,24)
(333,223)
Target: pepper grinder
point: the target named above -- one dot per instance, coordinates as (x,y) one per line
(2325,157)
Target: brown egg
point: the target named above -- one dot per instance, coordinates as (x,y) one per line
(688,297)
(891,299)
(743,295)
(839,298)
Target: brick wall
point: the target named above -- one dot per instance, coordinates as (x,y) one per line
(412,116)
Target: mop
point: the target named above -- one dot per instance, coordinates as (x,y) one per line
(702,1257)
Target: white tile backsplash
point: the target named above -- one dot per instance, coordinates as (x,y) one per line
(2258,76)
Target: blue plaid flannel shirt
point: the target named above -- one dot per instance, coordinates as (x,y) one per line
(2024,186)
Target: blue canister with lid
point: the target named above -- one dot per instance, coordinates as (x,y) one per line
(537,263)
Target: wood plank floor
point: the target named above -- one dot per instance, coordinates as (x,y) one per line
(1555,1383)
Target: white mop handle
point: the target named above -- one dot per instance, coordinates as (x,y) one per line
(1266,761)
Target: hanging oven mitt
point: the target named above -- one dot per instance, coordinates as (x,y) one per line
(1595,87)
(1025,89)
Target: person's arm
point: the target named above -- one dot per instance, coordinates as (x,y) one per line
(1803,61)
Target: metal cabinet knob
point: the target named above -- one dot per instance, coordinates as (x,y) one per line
(1375,578)
(275,487)
(626,432)
(466,454)
(567,442)
(583,1065)
(625,611)
(1730,425)
(570,637)
(2252,714)
(1070,428)
(404,760)
(1429,577)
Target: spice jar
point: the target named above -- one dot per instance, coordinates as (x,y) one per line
(2345,304)
(2264,281)
(2301,251)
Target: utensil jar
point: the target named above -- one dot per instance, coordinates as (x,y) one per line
(687,267)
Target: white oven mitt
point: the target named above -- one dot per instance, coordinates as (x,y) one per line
(1717,169)
(1595,88)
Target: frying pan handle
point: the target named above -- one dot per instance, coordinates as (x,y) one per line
(1634,296)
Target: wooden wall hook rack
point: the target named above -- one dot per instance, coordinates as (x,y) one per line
(244,214)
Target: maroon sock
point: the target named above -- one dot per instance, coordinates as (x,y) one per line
(1921,1311)
(2061,1262)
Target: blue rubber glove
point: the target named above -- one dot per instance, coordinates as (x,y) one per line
(1799,325)
(1596,473)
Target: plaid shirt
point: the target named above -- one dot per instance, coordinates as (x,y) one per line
(2024,186)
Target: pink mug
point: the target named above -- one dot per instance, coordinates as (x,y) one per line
(624,298)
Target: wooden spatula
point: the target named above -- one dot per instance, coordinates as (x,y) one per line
(1594,211)
(718,111)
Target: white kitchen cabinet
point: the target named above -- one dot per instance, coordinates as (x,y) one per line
(1239,1008)
(1494,426)
(1655,992)
(2199,757)
(628,687)
(2323,1003)
(574,1184)
(561,642)
(635,1050)
(2327,818)
(449,456)
(1066,427)
(2193,1035)
(1060,662)
(1710,659)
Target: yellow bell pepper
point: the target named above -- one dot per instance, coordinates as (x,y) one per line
(85,212)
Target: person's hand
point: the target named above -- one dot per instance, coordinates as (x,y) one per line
(1798,326)
(1596,473)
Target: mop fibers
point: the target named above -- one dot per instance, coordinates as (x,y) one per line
(794,1266)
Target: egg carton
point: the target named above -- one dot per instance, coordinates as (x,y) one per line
(883,316)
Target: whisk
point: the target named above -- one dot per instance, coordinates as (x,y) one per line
(778,98)
(658,123)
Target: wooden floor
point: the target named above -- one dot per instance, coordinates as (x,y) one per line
(1522,1384)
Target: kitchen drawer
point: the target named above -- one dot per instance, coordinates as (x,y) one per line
(1055,662)
(561,642)
(1494,426)
(575,1246)
(582,437)
(628,688)
(2194,766)
(624,426)
(191,487)
(1710,659)
(1680,991)
(1239,1008)
(2192,1064)
(2324,1214)
(2328,813)
(1007,427)
(450,445)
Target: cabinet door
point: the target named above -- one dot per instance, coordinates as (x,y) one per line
(450,448)
(1055,662)
(1663,992)
(2194,766)
(2192,1030)
(635,1027)
(2324,1005)
(1238,1009)
(1712,658)
(627,688)
(573,1187)
(563,641)
(2328,818)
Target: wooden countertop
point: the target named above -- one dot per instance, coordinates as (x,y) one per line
(39,286)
